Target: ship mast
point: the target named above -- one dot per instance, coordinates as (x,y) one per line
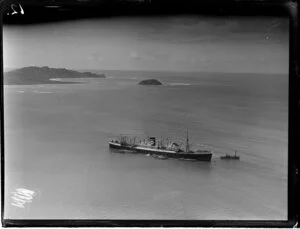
(187,146)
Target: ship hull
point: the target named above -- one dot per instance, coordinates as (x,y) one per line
(158,152)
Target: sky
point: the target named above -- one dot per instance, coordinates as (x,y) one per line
(165,43)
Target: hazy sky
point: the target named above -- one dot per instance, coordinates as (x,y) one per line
(176,43)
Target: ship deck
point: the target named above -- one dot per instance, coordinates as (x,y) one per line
(154,150)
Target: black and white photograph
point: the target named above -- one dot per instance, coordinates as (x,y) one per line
(165,117)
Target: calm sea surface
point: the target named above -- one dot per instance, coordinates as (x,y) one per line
(57,146)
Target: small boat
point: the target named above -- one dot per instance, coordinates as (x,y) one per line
(230,157)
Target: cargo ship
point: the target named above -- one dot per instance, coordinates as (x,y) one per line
(156,148)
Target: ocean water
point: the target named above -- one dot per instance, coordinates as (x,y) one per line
(56,147)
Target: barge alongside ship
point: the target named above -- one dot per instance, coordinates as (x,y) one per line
(158,148)
(230,157)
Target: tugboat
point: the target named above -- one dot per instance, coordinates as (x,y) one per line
(230,157)
(159,148)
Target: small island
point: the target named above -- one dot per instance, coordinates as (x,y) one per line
(150,82)
(44,75)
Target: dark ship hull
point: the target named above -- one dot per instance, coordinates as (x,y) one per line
(199,156)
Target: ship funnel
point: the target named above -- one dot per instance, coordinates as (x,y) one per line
(152,141)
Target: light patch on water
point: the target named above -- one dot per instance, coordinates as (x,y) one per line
(180,84)
(56,79)
(81,80)
(22,196)
(20,91)
(42,92)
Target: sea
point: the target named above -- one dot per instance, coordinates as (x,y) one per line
(58,164)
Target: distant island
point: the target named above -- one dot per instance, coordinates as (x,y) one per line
(150,82)
(43,75)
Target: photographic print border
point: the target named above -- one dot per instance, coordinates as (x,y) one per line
(292,9)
